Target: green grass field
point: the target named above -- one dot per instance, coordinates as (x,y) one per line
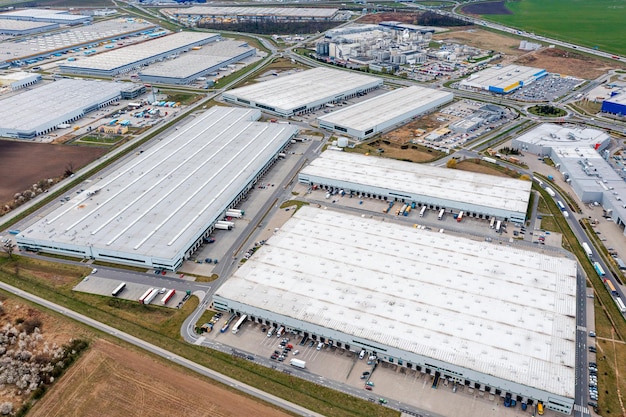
(590,23)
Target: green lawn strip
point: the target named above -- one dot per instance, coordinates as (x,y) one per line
(291,203)
(574,21)
(161,327)
(569,200)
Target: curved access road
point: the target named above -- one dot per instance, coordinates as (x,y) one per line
(269,398)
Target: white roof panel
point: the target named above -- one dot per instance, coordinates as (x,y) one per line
(31,108)
(495,309)
(502,77)
(380,109)
(469,187)
(256,11)
(299,89)
(192,62)
(125,56)
(158,202)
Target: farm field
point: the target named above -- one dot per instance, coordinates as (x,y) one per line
(23,164)
(577,21)
(110,380)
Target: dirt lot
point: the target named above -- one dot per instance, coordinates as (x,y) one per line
(404,17)
(566,63)
(112,381)
(484,40)
(24,164)
(482,168)
(413,129)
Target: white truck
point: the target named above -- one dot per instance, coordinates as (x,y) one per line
(298,363)
(550,191)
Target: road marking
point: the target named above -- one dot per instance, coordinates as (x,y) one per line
(581,328)
(199,340)
(581,408)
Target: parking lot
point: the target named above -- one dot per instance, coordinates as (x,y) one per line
(343,370)
(94,284)
(548,88)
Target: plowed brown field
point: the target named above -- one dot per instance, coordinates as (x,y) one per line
(113,381)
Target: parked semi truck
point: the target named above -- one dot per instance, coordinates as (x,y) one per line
(460,216)
(234,213)
(441,213)
(168,296)
(587,249)
(298,363)
(151,296)
(145,294)
(222,225)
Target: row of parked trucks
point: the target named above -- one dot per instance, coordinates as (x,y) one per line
(151,293)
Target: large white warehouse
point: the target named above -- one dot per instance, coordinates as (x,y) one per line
(477,195)
(498,318)
(133,57)
(192,65)
(377,114)
(40,110)
(303,92)
(154,210)
(503,80)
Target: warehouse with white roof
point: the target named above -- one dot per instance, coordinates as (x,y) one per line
(155,209)
(373,116)
(503,80)
(303,92)
(17,80)
(21,27)
(477,195)
(46,15)
(579,155)
(35,48)
(493,317)
(194,64)
(40,110)
(243,13)
(119,61)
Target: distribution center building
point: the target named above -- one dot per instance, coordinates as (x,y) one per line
(304,91)
(579,155)
(378,114)
(616,104)
(21,27)
(34,48)
(40,110)
(133,57)
(47,15)
(195,64)
(496,318)
(477,195)
(503,80)
(156,209)
(17,80)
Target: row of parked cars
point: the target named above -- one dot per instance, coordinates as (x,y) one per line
(593,384)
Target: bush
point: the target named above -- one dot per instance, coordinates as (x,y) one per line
(30,325)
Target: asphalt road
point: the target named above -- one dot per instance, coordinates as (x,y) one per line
(247,389)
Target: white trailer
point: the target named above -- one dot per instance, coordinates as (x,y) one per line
(491,160)
(422,211)
(236,214)
(145,294)
(237,325)
(498,226)
(151,296)
(168,296)
(492,223)
(550,191)
(620,305)
(441,213)
(223,226)
(298,363)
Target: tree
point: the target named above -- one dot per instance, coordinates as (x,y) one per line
(9,248)
(451,163)
(525,177)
